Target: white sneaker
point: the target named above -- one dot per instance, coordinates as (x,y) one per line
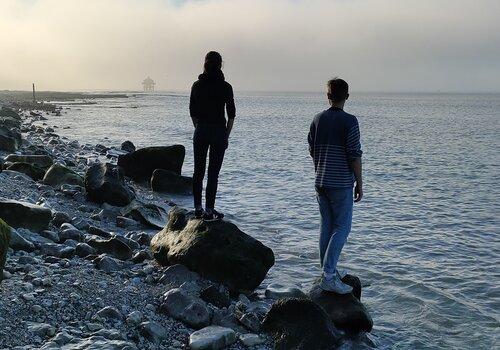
(334,285)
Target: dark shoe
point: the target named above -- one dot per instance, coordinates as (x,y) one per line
(198,213)
(213,215)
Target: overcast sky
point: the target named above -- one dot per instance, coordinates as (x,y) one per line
(285,45)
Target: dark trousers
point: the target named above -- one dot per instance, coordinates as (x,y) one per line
(207,138)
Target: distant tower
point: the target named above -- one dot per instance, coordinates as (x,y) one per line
(148,85)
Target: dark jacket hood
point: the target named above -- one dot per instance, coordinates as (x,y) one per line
(212,76)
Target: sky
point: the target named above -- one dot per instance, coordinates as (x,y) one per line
(267,45)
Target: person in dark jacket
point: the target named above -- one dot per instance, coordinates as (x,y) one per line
(210,95)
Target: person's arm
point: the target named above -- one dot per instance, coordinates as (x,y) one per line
(230,109)
(310,138)
(193,106)
(354,152)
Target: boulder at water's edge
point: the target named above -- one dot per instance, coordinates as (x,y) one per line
(105,183)
(216,250)
(139,165)
(169,182)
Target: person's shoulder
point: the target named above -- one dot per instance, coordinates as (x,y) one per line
(350,118)
(227,85)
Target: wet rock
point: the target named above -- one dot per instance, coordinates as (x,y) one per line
(277,291)
(53,236)
(59,218)
(250,339)
(70,233)
(217,296)
(57,250)
(20,214)
(216,250)
(186,308)
(59,175)
(140,256)
(38,160)
(169,182)
(4,245)
(300,324)
(154,331)
(127,223)
(127,146)
(112,246)
(346,311)
(7,112)
(105,183)
(139,165)
(10,140)
(147,213)
(178,274)
(98,232)
(212,338)
(18,242)
(134,318)
(30,170)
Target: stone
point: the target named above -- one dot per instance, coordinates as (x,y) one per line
(154,331)
(147,213)
(53,236)
(127,223)
(20,214)
(134,318)
(218,251)
(57,250)
(186,308)
(277,291)
(18,242)
(10,140)
(59,175)
(250,320)
(98,232)
(250,339)
(300,324)
(109,313)
(217,296)
(30,170)
(140,256)
(83,250)
(140,164)
(177,275)
(346,311)
(70,233)
(43,330)
(4,245)
(8,112)
(166,181)
(38,160)
(112,246)
(105,183)
(212,338)
(127,146)
(108,264)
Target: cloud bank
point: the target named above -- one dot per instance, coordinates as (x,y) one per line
(285,45)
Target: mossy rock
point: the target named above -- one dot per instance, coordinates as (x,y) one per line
(4,244)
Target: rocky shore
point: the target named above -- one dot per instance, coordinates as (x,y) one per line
(95,256)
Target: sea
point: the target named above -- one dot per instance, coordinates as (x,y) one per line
(425,239)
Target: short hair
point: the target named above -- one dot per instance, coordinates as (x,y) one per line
(338,89)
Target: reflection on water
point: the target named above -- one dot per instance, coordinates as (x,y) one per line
(425,238)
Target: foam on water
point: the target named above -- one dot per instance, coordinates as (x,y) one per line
(425,239)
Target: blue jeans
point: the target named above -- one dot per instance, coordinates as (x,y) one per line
(335,207)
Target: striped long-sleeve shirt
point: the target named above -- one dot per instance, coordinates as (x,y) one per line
(334,143)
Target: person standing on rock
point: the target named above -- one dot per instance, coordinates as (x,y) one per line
(210,95)
(334,145)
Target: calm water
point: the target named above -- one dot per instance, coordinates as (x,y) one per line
(425,239)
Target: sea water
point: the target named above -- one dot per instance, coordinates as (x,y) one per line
(425,239)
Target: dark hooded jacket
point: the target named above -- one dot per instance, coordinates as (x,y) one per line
(209,94)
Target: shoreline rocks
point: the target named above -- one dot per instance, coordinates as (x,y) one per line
(218,251)
(105,184)
(169,182)
(58,175)
(25,215)
(4,245)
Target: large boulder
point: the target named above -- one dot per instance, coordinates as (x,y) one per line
(169,182)
(300,324)
(147,213)
(216,250)
(139,165)
(10,140)
(4,245)
(28,169)
(105,183)
(58,175)
(26,215)
(39,160)
(345,310)
(127,146)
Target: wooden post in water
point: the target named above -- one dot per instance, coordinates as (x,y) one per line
(34,97)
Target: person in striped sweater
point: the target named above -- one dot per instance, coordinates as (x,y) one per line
(334,145)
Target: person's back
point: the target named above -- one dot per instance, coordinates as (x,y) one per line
(336,150)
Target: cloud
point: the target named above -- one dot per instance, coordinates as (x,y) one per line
(384,45)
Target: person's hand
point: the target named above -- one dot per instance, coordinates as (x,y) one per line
(358,193)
